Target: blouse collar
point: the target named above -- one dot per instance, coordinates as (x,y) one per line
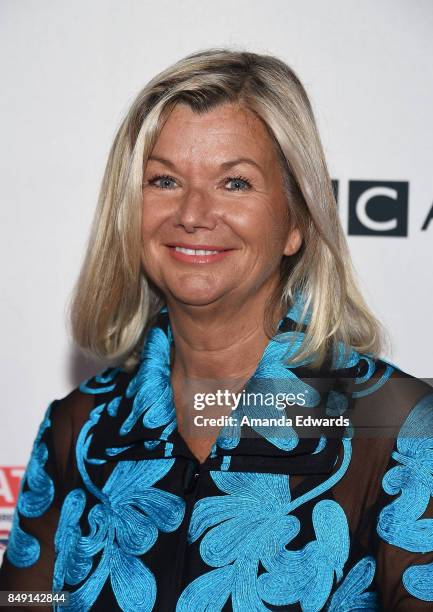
(137,418)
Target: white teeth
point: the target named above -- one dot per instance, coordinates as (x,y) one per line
(194,252)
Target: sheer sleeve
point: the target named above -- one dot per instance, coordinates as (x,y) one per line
(404,527)
(28,562)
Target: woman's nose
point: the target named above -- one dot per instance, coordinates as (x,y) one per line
(196,209)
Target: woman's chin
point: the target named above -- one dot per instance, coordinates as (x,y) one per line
(195,300)
(198,287)
(196,296)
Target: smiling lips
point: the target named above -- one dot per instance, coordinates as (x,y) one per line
(197,253)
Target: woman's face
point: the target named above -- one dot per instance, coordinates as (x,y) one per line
(215,221)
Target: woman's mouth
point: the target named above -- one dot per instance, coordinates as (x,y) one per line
(198,254)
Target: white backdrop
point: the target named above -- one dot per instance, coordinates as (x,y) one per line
(69,72)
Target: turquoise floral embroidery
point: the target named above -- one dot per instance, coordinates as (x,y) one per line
(338,402)
(371,368)
(251,524)
(272,376)
(122,526)
(307,575)
(153,401)
(105,382)
(400,522)
(275,374)
(352,593)
(24,549)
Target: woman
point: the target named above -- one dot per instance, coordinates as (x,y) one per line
(218,283)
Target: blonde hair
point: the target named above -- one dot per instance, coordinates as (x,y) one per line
(113,304)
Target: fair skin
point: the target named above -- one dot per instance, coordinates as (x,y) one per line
(216,301)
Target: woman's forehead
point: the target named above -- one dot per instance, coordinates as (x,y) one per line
(225,132)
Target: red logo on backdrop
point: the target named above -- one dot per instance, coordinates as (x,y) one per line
(10,479)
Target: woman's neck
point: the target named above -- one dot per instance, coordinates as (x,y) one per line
(212,353)
(209,343)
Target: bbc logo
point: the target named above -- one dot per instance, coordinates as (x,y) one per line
(377,208)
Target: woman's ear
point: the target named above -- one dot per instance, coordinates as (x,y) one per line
(294,242)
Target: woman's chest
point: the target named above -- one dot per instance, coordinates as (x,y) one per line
(217,538)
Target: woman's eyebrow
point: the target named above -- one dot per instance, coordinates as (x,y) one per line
(162,160)
(224,166)
(240,160)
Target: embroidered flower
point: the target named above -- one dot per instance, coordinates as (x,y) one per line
(400,522)
(251,524)
(153,401)
(23,549)
(123,526)
(101,383)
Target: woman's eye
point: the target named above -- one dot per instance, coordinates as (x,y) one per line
(238,183)
(165,181)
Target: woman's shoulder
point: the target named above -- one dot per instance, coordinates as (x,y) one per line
(72,410)
(389,399)
(380,374)
(380,370)
(66,417)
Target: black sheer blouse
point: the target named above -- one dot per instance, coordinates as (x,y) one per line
(115,509)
